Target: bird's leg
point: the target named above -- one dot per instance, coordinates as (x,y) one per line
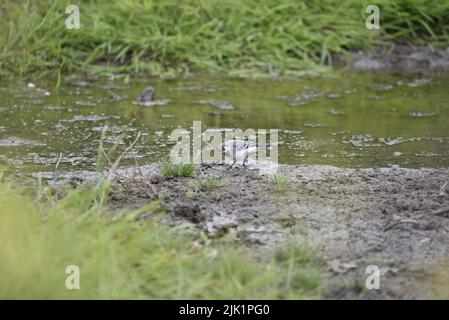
(245,162)
(234,151)
(231,165)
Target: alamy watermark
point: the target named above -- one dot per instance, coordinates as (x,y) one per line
(73,279)
(73,20)
(372,22)
(373,280)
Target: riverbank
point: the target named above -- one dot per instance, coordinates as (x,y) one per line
(394,218)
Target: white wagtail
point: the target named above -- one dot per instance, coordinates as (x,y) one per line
(240,150)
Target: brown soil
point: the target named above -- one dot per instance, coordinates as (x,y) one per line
(395,218)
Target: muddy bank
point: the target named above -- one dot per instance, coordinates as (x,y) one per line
(395,218)
(398,58)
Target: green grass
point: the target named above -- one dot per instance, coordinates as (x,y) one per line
(192,194)
(208,184)
(124,257)
(201,185)
(170,169)
(298,261)
(280,182)
(170,37)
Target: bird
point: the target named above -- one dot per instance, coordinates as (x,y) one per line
(240,150)
(147,95)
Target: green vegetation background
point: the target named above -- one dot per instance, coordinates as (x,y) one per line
(169,37)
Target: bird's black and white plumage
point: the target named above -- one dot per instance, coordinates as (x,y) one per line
(240,150)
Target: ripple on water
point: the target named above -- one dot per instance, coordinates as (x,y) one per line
(222,105)
(18,142)
(382,87)
(418,83)
(35,101)
(292,132)
(160,102)
(315,125)
(305,97)
(86,103)
(114,129)
(334,96)
(368,140)
(54,108)
(394,141)
(52,158)
(337,112)
(361,140)
(92,117)
(194,87)
(423,114)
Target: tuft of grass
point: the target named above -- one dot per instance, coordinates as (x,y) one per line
(280,182)
(418,21)
(171,37)
(204,185)
(178,169)
(125,257)
(208,184)
(192,194)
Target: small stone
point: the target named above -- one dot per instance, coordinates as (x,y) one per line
(147,94)
(337,266)
(191,213)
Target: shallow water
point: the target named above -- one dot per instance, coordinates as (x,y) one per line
(346,120)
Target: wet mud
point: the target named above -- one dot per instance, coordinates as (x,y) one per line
(401,57)
(394,218)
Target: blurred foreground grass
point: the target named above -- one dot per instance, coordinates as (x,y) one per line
(124,257)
